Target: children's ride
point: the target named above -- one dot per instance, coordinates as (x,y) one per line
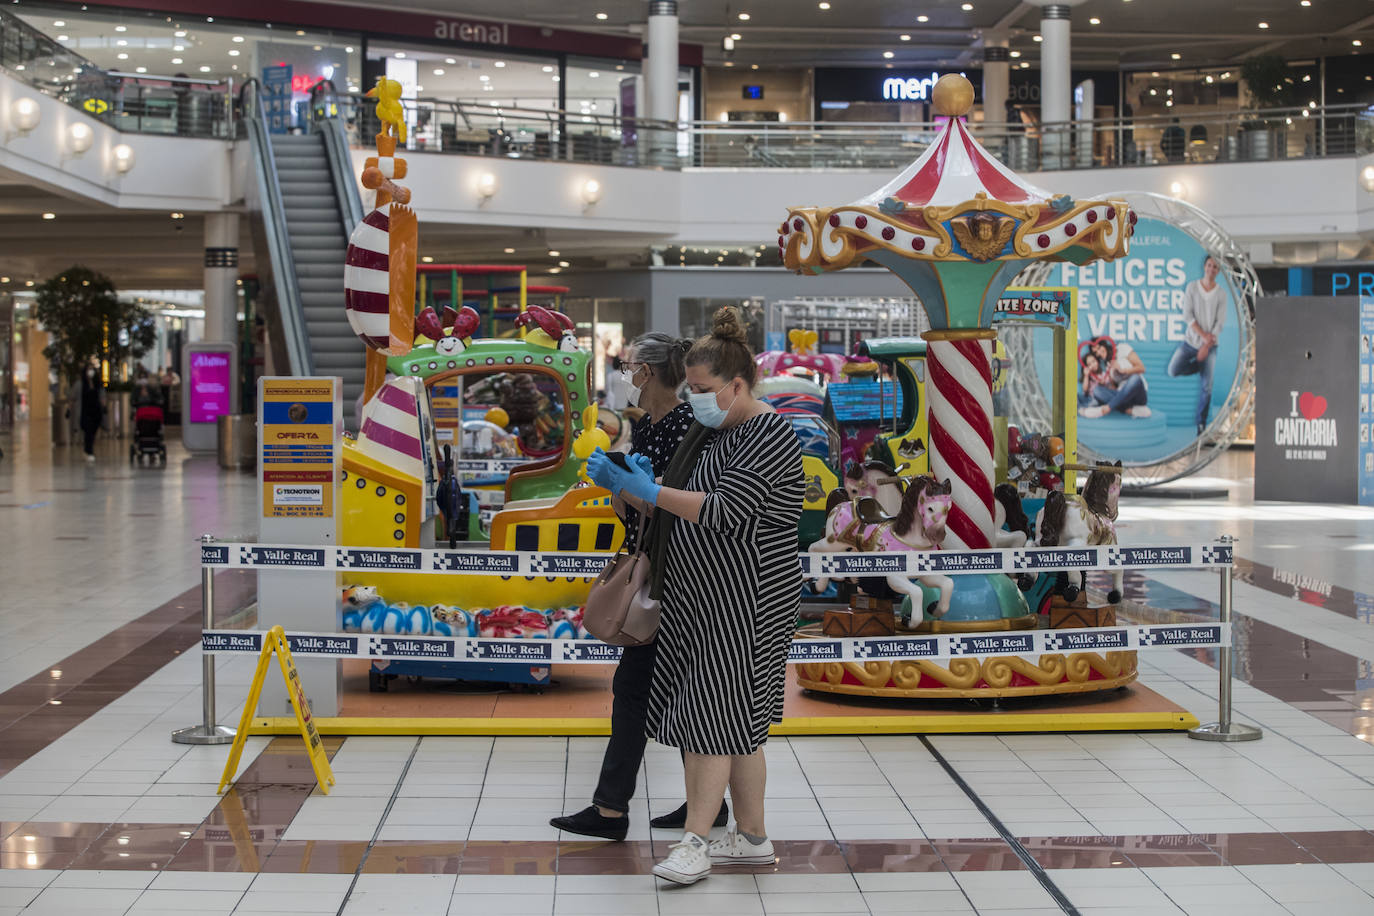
(1087,520)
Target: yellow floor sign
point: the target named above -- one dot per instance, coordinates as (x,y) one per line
(274,641)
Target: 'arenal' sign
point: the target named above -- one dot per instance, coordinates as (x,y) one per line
(483,33)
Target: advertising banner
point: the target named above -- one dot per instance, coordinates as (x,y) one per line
(1158,346)
(1366,465)
(209,387)
(297,448)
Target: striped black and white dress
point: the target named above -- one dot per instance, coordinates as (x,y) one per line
(731,591)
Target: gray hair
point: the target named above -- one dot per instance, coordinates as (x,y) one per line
(664,354)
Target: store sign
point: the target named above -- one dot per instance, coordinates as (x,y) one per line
(482,33)
(1313,388)
(911,89)
(1034,306)
(1157,384)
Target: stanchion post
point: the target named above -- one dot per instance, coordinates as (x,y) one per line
(207,732)
(1224,729)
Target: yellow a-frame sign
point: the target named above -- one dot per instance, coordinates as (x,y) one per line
(274,641)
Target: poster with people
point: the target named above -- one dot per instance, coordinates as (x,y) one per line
(1158,346)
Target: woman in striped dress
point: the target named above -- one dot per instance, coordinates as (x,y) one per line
(731,590)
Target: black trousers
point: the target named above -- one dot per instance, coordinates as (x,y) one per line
(88,438)
(629,718)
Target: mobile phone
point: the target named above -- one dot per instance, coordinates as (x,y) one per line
(619,458)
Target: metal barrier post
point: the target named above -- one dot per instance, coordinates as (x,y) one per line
(207,732)
(1224,729)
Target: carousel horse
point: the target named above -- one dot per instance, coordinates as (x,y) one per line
(919,524)
(1084,521)
(877,481)
(1007,512)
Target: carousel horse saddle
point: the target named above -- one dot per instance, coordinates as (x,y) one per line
(870,512)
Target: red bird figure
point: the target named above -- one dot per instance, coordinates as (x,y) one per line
(551,329)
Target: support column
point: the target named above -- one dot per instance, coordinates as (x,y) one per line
(1056,91)
(660,75)
(996,88)
(959,401)
(221,277)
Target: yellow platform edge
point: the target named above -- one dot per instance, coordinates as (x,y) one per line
(988,723)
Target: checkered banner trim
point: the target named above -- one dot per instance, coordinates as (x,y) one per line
(385,647)
(814,565)
(478,467)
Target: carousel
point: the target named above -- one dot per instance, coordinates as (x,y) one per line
(956,227)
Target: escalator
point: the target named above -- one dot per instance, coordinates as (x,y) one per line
(306,204)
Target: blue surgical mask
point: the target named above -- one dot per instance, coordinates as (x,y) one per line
(707,409)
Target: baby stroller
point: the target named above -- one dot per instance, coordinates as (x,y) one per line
(148,440)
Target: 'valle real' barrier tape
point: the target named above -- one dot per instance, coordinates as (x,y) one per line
(380,647)
(814,565)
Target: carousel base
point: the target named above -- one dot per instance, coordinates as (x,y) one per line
(971,678)
(579,704)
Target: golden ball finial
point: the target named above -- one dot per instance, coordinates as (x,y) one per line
(952,95)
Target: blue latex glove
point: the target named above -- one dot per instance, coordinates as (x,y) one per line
(639,480)
(603,471)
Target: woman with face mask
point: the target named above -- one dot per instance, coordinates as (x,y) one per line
(654,374)
(726,548)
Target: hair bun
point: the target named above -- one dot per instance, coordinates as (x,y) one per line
(725,325)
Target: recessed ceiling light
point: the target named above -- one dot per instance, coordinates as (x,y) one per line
(300,33)
(64,38)
(743,17)
(1094,21)
(1357,43)
(122,43)
(204,69)
(176,60)
(1264,25)
(922,18)
(140,69)
(234,52)
(1209,79)
(28,283)
(121,28)
(1025,65)
(889,55)
(1015,53)
(736,36)
(349,49)
(564,264)
(400,55)
(122,56)
(1176,56)
(729,63)
(428,259)
(552,253)
(967,7)
(178,47)
(753,66)
(499,63)
(1037,38)
(484,78)
(59,23)
(176,214)
(547,69)
(904,37)
(602,16)
(50,216)
(594,74)
(450,60)
(180,33)
(438,71)
(556,78)
(823,6)
(509,250)
(238,39)
(318,48)
(1305,3)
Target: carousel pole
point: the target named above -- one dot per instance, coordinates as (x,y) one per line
(959,366)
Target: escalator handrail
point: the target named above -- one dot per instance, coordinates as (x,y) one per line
(284,280)
(341,175)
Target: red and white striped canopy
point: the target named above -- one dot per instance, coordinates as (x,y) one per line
(953,170)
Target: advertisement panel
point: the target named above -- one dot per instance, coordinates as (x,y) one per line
(209,386)
(1158,346)
(297,447)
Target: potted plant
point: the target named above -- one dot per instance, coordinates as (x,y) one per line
(1270,85)
(86,323)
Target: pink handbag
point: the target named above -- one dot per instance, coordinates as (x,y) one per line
(619,610)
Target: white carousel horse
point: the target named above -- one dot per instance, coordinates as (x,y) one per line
(1084,521)
(919,524)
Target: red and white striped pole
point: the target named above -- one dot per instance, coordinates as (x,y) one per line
(959,393)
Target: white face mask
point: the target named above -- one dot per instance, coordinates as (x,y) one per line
(633,391)
(707,409)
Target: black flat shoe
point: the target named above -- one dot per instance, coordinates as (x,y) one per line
(676,820)
(591,822)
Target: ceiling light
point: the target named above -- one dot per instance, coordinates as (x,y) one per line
(1037,38)
(509,250)
(499,63)
(140,69)
(121,28)
(300,33)
(552,253)
(547,69)
(122,56)
(25,114)
(64,38)
(729,63)
(176,60)
(823,6)
(904,37)
(484,78)
(50,216)
(967,7)
(123,157)
(486,185)
(204,69)
(889,55)
(753,66)
(736,36)
(602,16)
(1176,56)
(1305,3)
(1015,53)
(79,137)
(28,283)
(1170,93)
(1264,25)
(178,47)
(349,49)
(1154,92)
(400,55)
(922,18)
(58,23)
(122,43)
(1366,179)
(1357,43)
(1178,189)
(743,17)
(1094,21)
(450,60)
(238,39)
(234,52)
(178,215)
(439,71)
(593,74)
(318,48)
(1209,79)
(564,264)
(427,259)
(180,33)
(557,79)
(1025,65)
(7,279)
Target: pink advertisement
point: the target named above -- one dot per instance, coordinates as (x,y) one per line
(209,387)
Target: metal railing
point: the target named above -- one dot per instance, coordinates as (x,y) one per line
(178,105)
(487,129)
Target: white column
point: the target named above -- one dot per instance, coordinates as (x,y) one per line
(1056,91)
(660,70)
(221,276)
(996,85)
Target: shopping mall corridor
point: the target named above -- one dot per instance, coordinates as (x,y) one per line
(101,814)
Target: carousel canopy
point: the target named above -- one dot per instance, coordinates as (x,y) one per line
(955,203)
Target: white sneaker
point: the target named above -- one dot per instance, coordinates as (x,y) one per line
(1140,410)
(734,849)
(1092,413)
(90,459)
(688,861)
